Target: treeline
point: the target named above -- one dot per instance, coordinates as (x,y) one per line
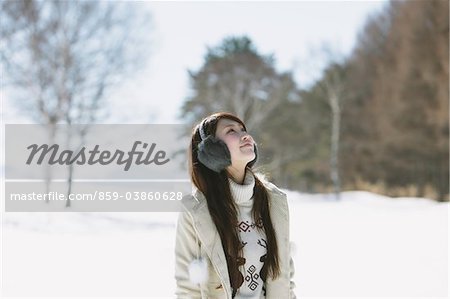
(377,121)
(396,128)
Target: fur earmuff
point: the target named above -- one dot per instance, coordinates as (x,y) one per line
(214,154)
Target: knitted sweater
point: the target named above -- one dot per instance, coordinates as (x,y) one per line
(254,241)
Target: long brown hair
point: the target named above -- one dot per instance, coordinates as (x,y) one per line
(215,187)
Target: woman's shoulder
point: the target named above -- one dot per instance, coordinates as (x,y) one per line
(193,201)
(277,199)
(271,187)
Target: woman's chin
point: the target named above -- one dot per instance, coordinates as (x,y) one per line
(250,157)
(244,159)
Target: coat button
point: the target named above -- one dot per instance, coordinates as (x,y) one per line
(219,287)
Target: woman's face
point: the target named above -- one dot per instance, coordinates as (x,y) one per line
(239,142)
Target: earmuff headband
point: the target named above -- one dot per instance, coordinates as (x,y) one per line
(201,130)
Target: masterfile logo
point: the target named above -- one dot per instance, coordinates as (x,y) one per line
(96,168)
(97,152)
(91,157)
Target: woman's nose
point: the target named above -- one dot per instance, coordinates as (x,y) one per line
(246,137)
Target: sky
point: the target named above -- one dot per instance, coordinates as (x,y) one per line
(292,31)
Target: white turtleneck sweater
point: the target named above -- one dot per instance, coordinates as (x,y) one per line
(254,241)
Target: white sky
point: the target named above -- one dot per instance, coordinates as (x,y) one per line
(292,31)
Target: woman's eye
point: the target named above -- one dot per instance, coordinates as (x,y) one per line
(233,130)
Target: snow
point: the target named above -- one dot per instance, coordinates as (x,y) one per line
(365,245)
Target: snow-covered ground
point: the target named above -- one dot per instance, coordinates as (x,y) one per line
(365,245)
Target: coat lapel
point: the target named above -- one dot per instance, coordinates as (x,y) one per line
(279,288)
(210,239)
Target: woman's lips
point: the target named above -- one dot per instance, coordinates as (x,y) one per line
(247,144)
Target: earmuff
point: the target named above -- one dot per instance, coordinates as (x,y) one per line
(213,152)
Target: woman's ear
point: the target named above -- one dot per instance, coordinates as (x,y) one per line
(214,154)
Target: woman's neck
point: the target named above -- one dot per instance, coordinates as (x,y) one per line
(236,174)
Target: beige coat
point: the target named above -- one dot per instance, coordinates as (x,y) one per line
(197,236)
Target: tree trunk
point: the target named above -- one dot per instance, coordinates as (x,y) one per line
(336,118)
(48,171)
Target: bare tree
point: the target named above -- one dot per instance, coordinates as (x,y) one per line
(331,87)
(63,57)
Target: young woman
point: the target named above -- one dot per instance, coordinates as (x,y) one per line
(233,237)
